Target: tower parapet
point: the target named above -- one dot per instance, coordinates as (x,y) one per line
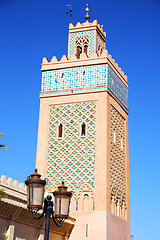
(67,76)
(15,191)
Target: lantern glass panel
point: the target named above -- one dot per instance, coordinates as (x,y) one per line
(64,205)
(36,194)
(63,209)
(57,202)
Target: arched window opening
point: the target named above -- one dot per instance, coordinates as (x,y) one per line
(83,130)
(101,51)
(60,129)
(86,202)
(85,48)
(79,51)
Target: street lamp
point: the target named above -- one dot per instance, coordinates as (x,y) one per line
(35,196)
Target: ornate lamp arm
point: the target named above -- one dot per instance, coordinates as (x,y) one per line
(37,218)
(54,220)
(48,212)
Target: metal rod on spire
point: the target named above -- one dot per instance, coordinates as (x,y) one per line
(70,12)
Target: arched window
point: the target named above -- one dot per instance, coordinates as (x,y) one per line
(79,51)
(85,48)
(83,130)
(60,129)
(86,202)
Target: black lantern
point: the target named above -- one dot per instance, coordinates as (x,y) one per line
(35,191)
(62,202)
(35,197)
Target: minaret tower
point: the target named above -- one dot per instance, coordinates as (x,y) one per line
(83,134)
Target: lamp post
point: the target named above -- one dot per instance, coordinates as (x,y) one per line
(35,196)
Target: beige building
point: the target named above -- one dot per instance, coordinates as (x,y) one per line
(83,134)
(17,223)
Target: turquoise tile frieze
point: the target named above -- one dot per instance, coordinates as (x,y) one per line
(83,79)
(91,41)
(74,78)
(117,87)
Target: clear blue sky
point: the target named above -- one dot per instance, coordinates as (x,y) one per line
(31,30)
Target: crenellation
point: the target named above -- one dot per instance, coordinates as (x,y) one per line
(78,25)
(15,185)
(86,24)
(83,56)
(74,57)
(105,58)
(64,58)
(10,182)
(117,68)
(45,60)
(104,53)
(94,55)
(22,187)
(3,179)
(54,60)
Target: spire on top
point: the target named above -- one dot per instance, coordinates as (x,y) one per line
(87,17)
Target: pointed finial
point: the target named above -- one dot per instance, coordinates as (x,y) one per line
(87,17)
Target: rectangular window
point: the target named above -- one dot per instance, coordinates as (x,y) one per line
(60,129)
(83,130)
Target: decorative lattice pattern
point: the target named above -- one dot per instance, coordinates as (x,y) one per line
(81,41)
(117,158)
(73,41)
(72,157)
